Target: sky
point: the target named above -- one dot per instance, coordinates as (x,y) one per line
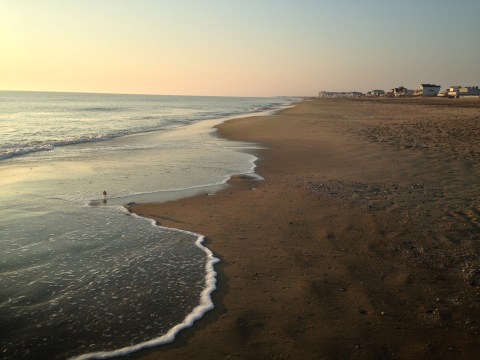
(237,47)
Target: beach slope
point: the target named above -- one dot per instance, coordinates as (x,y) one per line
(360,242)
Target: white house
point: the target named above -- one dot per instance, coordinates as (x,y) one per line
(428,90)
(457,91)
(453,91)
(400,91)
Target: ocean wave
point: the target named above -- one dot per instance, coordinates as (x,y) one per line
(9,153)
(49,145)
(12,150)
(102,108)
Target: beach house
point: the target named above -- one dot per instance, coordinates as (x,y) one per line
(399,91)
(378,92)
(458,91)
(427,90)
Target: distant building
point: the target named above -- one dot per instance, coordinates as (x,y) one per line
(378,92)
(458,91)
(428,90)
(338,94)
(325,94)
(355,94)
(453,91)
(399,91)
(469,91)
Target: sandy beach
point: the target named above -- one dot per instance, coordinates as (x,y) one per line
(361,242)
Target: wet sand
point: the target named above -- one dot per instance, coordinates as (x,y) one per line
(362,241)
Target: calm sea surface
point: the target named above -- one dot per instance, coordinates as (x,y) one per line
(80,275)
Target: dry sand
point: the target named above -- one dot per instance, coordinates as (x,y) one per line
(361,242)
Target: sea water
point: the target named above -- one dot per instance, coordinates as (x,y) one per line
(79,275)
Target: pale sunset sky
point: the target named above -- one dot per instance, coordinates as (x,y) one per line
(237,47)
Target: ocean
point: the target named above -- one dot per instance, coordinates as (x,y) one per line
(81,277)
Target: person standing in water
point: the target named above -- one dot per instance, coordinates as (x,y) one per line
(104,196)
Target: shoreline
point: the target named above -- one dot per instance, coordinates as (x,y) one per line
(81,242)
(341,251)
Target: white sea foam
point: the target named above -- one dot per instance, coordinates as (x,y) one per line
(206,304)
